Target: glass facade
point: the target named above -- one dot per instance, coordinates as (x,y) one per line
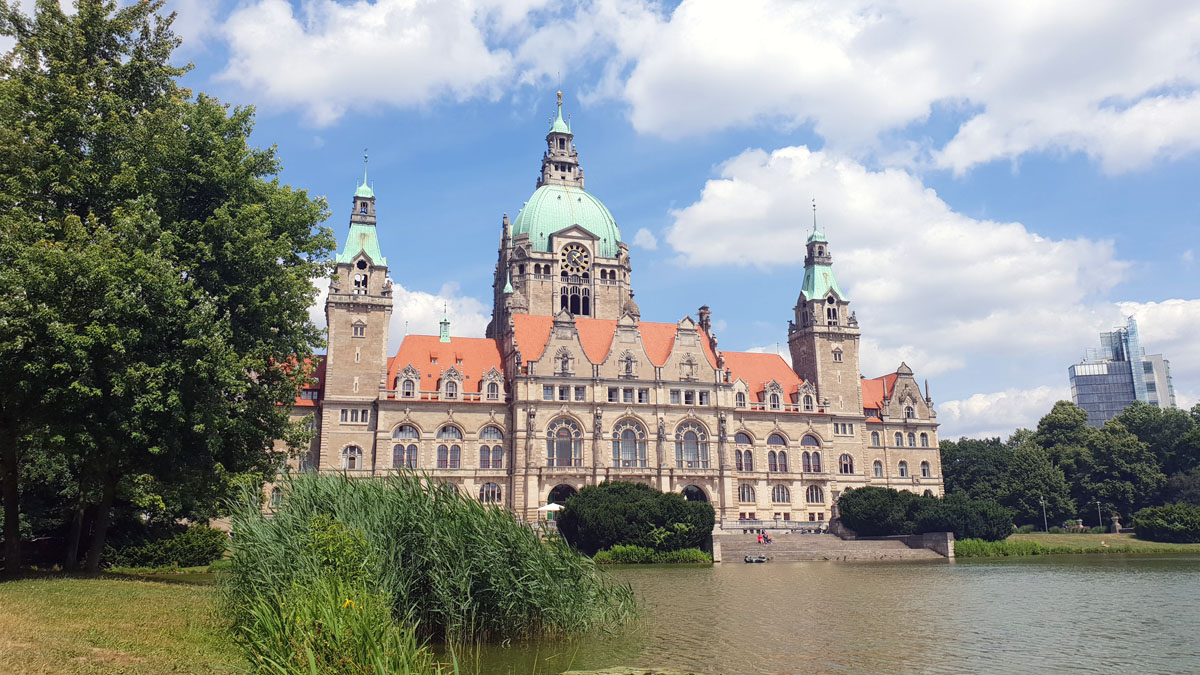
(1119,374)
(1102,389)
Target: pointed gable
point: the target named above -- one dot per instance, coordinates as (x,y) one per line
(431,356)
(758,370)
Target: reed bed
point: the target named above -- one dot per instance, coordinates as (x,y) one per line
(978,548)
(448,568)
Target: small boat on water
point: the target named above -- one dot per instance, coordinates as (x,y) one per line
(756,558)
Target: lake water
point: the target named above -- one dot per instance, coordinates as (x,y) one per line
(1045,614)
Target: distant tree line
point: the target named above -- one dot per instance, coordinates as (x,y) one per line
(1146,456)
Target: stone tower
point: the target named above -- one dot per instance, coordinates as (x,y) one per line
(357,311)
(560,162)
(823,337)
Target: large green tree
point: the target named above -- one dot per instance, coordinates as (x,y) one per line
(1031,481)
(1173,435)
(154,278)
(1066,437)
(1123,474)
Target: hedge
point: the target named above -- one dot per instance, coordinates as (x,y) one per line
(197,545)
(876,511)
(1178,523)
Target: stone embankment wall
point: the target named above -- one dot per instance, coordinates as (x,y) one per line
(793,547)
(941,543)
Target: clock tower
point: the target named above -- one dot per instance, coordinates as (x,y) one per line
(823,337)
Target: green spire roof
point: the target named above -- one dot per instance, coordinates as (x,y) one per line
(559,126)
(445,325)
(364,190)
(817,235)
(819,282)
(362,238)
(555,207)
(508,287)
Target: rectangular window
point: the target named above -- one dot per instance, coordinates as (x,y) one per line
(812,517)
(851,431)
(547,392)
(704,398)
(353,415)
(613,396)
(643,395)
(309,394)
(820,516)
(627,396)
(674,397)
(580,393)
(345,415)
(689,398)
(365,417)
(564,393)
(360,330)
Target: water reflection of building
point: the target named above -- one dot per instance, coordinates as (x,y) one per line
(571,387)
(1110,379)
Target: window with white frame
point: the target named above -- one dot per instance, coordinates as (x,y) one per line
(691,446)
(629,444)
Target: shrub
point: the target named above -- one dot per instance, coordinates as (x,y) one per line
(1097,529)
(634,555)
(1055,530)
(197,545)
(618,513)
(1026,529)
(875,511)
(454,568)
(624,554)
(1173,522)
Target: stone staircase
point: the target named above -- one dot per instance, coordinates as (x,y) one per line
(792,547)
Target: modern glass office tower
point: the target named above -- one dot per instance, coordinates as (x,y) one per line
(1110,379)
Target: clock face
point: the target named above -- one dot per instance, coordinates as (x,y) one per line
(575,258)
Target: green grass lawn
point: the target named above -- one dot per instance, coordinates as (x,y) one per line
(109,624)
(1093,541)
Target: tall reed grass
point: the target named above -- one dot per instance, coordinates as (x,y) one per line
(452,568)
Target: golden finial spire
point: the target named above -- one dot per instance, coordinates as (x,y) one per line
(560,98)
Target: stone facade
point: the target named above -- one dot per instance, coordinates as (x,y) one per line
(561,394)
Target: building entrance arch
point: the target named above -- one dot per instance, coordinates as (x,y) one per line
(560,494)
(694,494)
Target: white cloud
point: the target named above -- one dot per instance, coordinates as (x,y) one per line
(929,286)
(1188,256)
(328,57)
(195,21)
(998,413)
(419,313)
(646,239)
(779,348)
(1115,80)
(1171,328)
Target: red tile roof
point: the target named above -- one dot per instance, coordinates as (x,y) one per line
(315,367)
(478,356)
(876,389)
(596,336)
(759,369)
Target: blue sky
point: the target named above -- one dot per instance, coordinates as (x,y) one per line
(999,181)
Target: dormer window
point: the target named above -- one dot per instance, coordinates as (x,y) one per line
(808,403)
(774,401)
(451,390)
(408,389)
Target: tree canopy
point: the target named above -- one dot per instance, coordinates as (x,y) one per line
(615,512)
(154,272)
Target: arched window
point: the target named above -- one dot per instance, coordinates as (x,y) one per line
(745,493)
(520,270)
(924,469)
(397,456)
(875,438)
(776,439)
(924,440)
(846,463)
(493,391)
(748,459)
(912,440)
(776,461)
(405,431)
(808,403)
(903,469)
(452,389)
(491,456)
(449,457)
(781,495)
(909,413)
(742,439)
(783,461)
(806,462)
(816,459)
(410,457)
(774,401)
(451,432)
(877,469)
(739,400)
(564,443)
(408,388)
(899,440)
(691,446)
(497,457)
(629,444)
(738,460)
(276,497)
(352,457)
(772,461)
(489,493)
(815,495)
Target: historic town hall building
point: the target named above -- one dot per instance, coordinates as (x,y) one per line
(571,387)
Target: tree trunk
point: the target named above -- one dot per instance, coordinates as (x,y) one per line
(71,558)
(103,515)
(12,498)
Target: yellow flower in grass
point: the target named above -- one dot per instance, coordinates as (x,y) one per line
(347,603)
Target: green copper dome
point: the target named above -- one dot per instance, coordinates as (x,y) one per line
(364,190)
(559,126)
(817,235)
(556,207)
